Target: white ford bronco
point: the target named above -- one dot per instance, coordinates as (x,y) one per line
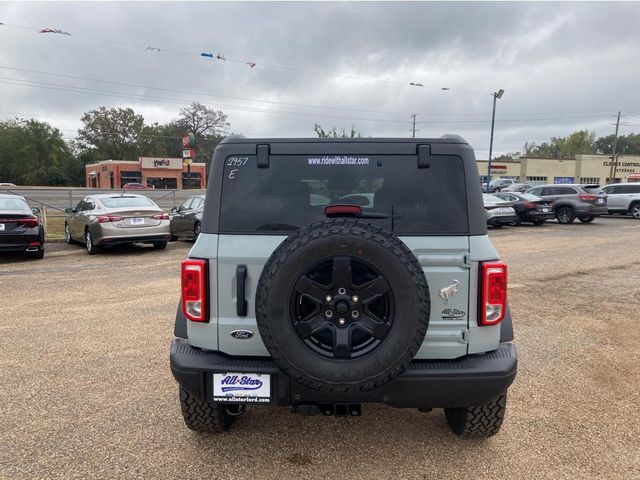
(335,273)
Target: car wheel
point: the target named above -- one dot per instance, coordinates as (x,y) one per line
(565,215)
(477,422)
(67,234)
(39,254)
(538,222)
(89,244)
(205,417)
(635,211)
(587,219)
(517,222)
(342,306)
(197,230)
(160,245)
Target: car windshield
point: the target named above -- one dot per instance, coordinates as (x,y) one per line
(491,198)
(530,197)
(295,190)
(13,204)
(126,201)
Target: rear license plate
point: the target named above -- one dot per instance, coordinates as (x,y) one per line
(504,210)
(600,200)
(137,221)
(242,387)
(1,227)
(545,210)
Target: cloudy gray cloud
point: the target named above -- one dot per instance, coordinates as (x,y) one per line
(563,66)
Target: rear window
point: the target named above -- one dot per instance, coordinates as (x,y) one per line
(529,197)
(124,202)
(294,190)
(13,204)
(593,189)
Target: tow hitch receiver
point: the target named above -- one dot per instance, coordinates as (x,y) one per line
(337,409)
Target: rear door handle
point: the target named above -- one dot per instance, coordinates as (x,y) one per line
(241,280)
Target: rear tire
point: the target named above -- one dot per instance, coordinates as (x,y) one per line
(565,215)
(197,230)
(39,255)
(538,222)
(477,422)
(160,245)
(587,219)
(202,416)
(634,210)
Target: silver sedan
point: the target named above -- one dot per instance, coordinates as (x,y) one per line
(109,219)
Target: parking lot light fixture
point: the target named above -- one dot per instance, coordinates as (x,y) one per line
(495,96)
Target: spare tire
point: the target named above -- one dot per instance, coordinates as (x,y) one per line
(342,305)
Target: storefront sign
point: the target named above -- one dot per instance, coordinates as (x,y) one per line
(156,162)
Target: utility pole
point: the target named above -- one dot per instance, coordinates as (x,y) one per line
(614,160)
(495,95)
(413,129)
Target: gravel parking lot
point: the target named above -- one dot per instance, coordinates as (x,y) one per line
(87,391)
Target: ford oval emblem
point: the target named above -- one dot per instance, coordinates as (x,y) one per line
(242,334)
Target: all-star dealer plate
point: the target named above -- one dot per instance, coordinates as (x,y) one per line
(241,387)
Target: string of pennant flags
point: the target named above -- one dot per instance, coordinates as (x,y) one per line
(222,58)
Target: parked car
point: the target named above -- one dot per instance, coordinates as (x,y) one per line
(623,198)
(7,185)
(20,227)
(109,219)
(186,220)
(517,187)
(500,184)
(529,208)
(134,186)
(323,308)
(585,202)
(498,211)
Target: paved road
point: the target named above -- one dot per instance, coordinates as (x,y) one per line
(87,392)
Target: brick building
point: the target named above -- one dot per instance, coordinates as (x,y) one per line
(153,172)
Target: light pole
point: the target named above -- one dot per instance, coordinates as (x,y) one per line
(495,95)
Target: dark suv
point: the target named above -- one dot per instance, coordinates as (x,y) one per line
(331,273)
(571,201)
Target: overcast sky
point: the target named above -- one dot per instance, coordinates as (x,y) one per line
(563,67)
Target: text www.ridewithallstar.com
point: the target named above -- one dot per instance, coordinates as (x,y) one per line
(338,160)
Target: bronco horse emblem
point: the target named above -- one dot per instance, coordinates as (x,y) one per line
(448,292)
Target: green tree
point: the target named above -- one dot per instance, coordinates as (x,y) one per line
(333,132)
(582,141)
(34,153)
(114,133)
(627,144)
(208,125)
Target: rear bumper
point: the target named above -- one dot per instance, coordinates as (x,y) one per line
(588,209)
(134,239)
(536,215)
(502,220)
(468,381)
(19,243)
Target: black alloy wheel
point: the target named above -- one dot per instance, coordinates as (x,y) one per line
(342,307)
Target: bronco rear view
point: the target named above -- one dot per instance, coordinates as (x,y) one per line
(334,273)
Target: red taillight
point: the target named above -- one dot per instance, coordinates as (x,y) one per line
(160,216)
(493,293)
(194,289)
(588,198)
(530,205)
(28,222)
(108,218)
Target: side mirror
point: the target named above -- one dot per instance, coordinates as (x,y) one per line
(174,210)
(35,210)
(70,210)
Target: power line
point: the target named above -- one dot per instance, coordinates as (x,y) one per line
(252,63)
